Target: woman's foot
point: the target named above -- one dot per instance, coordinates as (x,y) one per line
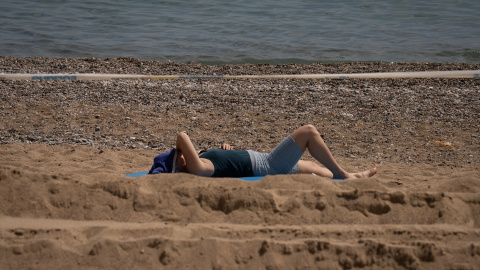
(365,174)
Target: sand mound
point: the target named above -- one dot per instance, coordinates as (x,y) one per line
(106,220)
(110,221)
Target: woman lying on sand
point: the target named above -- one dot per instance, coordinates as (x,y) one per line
(284,159)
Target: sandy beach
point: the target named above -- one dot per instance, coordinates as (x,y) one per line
(65,147)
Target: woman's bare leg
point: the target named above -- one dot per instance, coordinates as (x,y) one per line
(309,167)
(307,137)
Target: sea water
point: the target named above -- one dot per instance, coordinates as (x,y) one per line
(244,31)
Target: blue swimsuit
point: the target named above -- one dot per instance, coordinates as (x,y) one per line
(229,163)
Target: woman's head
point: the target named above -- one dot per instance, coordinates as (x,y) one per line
(181,163)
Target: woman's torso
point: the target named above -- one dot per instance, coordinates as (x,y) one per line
(229,163)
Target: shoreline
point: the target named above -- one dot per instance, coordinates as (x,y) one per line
(125,65)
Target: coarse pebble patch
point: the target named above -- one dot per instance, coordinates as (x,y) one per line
(376,120)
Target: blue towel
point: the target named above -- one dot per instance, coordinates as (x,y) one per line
(250,178)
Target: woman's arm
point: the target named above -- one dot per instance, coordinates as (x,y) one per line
(194,164)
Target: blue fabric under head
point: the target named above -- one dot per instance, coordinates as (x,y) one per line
(163,163)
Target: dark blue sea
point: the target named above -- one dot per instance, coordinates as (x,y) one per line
(244,31)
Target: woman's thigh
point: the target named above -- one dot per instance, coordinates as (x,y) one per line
(309,167)
(284,156)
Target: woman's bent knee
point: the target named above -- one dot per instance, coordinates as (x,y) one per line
(303,135)
(310,129)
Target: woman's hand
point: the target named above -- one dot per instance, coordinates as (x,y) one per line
(226,146)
